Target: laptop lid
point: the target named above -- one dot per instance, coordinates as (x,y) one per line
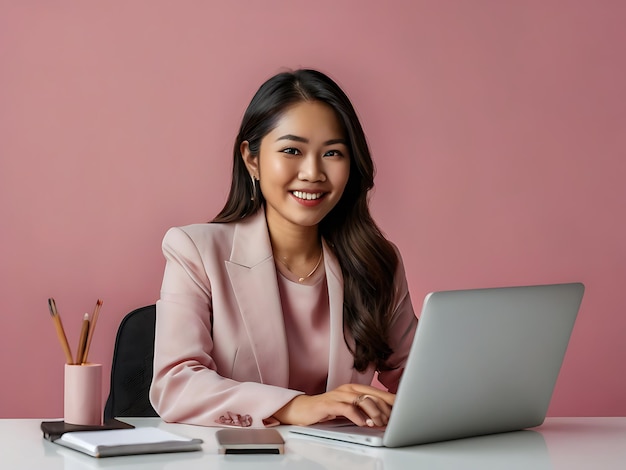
(483,361)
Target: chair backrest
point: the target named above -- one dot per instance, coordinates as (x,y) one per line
(131,371)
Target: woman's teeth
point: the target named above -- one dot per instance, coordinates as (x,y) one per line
(307,196)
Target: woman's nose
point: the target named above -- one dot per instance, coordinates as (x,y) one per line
(312,169)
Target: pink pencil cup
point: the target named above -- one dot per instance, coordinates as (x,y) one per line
(82,394)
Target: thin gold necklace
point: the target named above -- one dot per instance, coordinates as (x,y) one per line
(302,279)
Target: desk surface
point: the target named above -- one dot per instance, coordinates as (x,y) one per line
(560,443)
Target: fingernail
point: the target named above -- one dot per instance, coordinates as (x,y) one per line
(369,422)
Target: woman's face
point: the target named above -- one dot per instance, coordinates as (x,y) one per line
(303,165)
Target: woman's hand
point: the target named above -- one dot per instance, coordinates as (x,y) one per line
(362,404)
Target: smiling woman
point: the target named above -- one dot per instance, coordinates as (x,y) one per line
(283,308)
(302,167)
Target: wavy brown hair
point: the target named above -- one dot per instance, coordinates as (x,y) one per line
(368,261)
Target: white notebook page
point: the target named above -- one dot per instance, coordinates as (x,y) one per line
(90,440)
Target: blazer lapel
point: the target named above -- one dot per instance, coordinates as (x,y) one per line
(253,276)
(341,361)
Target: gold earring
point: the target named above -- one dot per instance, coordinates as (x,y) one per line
(253,188)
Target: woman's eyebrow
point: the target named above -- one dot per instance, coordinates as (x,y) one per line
(336,141)
(296,138)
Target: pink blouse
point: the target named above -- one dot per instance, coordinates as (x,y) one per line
(306,313)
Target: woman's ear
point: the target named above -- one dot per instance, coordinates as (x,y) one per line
(251,161)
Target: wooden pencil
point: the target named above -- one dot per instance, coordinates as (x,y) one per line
(82,340)
(92,327)
(56,318)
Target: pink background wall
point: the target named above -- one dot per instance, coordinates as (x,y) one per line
(498,130)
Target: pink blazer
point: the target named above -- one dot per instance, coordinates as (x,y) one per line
(221,349)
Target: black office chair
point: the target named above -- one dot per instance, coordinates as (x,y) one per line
(131,371)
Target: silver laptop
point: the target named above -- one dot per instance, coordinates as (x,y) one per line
(483,361)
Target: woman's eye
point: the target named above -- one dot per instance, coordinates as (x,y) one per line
(291,151)
(333,153)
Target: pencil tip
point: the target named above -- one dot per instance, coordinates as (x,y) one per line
(51,306)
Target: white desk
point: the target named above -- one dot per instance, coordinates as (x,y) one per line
(561,443)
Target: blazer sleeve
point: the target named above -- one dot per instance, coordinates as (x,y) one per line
(403,327)
(186,386)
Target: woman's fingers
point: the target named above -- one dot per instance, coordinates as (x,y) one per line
(361,404)
(365,409)
(368,390)
(365,400)
(375,410)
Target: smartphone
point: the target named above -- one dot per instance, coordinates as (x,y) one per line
(250,441)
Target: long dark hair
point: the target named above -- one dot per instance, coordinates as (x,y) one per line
(368,261)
